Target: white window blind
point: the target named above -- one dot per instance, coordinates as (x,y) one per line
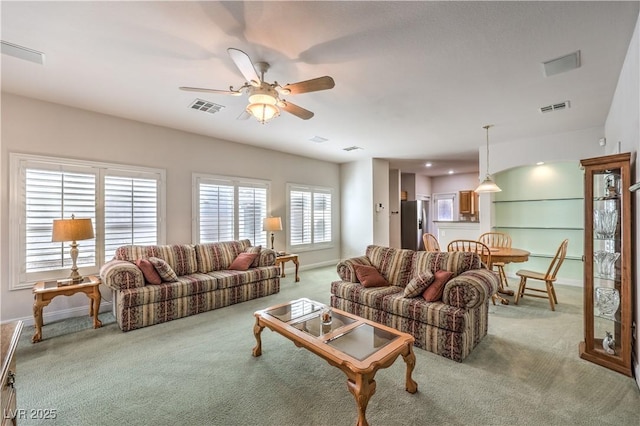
(230,209)
(130,212)
(310,212)
(252,208)
(56,195)
(321,217)
(125,205)
(216,213)
(300,216)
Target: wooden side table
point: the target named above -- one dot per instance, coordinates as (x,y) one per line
(45,291)
(284,258)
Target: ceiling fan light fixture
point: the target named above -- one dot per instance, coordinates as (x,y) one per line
(487,185)
(263,112)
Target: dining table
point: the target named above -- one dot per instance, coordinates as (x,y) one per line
(507,255)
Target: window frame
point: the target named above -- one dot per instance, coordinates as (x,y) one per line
(19,163)
(313,245)
(454,208)
(236,182)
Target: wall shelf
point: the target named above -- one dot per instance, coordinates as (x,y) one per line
(553,228)
(538,200)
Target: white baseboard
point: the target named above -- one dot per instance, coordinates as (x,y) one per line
(105,306)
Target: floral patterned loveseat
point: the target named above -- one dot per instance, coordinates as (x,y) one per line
(202,280)
(450,326)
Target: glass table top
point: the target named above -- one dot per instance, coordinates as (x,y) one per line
(296,309)
(359,342)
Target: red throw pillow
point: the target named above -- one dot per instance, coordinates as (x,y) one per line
(369,276)
(150,274)
(243,261)
(436,289)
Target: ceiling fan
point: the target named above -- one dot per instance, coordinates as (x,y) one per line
(264,98)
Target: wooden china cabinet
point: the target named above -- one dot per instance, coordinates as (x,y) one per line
(608,288)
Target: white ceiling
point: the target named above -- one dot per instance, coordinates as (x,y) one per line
(415,81)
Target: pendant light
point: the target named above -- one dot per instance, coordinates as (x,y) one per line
(487,185)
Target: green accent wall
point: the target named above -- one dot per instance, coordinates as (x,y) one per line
(540,206)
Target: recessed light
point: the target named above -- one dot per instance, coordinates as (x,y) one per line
(428,165)
(539,163)
(450,172)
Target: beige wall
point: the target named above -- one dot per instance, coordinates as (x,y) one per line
(35,127)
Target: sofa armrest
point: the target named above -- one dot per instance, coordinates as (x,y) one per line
(121,275)
(346,271)
(267,257)
(471,288)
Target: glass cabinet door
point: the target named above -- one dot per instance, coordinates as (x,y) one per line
(607,296)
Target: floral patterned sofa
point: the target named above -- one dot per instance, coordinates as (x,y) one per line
(450,326)
(192,279)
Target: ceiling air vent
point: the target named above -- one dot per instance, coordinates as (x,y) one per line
(318,139)
(555,107)
(206,106)
(351,148)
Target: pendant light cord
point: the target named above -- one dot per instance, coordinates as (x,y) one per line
(487,128)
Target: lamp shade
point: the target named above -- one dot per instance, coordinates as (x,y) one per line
(488,185)
(272,224)
(263,112)
(72,230)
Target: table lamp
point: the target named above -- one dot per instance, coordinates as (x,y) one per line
(272,224)
(72,230)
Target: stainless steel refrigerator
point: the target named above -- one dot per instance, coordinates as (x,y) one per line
(413,223)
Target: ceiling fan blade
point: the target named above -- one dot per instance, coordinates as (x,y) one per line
(222,92)
(244,115)
(313,85)
(244,64)
(294,109)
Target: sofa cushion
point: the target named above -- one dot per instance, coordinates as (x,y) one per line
(394,264)
(434,292)
(256,250)
(437,314)
(418,284)
(218,256)
(243,261)
(186,285)
(356,292)
(151,276)
(181,257)
(369,276)
(164,270)
(230,278)
(454,261)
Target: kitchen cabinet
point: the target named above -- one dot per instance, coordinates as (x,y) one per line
(468,203)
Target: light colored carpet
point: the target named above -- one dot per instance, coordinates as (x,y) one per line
(199,371)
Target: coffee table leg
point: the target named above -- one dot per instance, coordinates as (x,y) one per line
(257,330)
(362,389)
(410,360)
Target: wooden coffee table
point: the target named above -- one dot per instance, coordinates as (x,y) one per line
(356,346)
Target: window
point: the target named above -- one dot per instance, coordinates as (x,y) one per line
(309,217)
(122,203)
(444,207)
(229,209)
(130,212)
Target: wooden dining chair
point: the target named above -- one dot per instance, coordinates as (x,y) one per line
(476,247)
(498,239)
(548,277)
(430,242)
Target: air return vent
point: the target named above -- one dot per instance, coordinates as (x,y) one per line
(351,148)
(555,107)
(206,106)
